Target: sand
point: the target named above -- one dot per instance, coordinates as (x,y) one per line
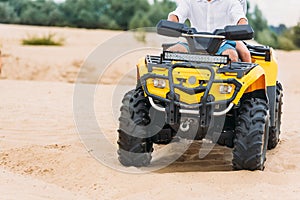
(42,155)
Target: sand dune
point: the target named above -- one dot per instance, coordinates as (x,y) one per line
(43,157)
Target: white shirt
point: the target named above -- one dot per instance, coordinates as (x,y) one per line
(244,5)
(207,16)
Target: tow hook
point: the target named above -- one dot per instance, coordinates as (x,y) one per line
(185,126)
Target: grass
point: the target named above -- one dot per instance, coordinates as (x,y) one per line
(140,35)
(49,39)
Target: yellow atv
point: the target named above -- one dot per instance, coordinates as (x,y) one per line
(201,95)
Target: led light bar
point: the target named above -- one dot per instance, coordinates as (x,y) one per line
(179,56)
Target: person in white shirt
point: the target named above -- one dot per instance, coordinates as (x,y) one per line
(208,15)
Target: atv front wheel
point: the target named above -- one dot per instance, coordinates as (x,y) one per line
(135,146)
(252,133)
(275,130)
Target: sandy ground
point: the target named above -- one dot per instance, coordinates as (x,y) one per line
(43,157)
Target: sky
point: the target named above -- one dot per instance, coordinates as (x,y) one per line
(279,11)
(275,11)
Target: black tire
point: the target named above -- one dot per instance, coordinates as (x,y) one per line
(251,140)
(164,135)
(276,130)
(135,147)
(226,139)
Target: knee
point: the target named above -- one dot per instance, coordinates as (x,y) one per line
(177,48)
(245,56)
(233,55)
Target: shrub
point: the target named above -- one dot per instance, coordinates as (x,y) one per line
(47,40)
(7,13)
(296,36)
(286,44)
(267,37)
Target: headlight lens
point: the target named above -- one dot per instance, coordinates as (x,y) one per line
(159,83)
(225,89)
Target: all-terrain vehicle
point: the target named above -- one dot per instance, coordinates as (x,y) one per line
(199,95)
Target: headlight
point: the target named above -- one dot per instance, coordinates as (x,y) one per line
(225,89)
(159,83)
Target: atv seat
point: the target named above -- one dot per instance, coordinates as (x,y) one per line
(260,51)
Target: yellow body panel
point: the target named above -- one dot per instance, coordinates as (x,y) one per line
(270,68)
(254,78)
(263,75)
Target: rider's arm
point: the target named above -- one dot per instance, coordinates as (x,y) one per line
(173,18)
(242,21)
(181,13)
(244,5)
(237,13)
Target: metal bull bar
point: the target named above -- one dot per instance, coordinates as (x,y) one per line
(173,103)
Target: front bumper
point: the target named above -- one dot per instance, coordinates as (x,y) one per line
(171,104)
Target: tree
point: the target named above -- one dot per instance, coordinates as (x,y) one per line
(279,29)
(285,43)
(18,5)
(56,18)
(7,13)
(85,13)
(108,23)
(123,11)
(33,16)
(267,37)
(257,21)
(296,35)
(139,20)
(37,12)
(107,14)
(160,10)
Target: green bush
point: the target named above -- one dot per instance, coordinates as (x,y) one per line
(106,14)
(286,44)
(7,13)
(296,35)
(267,37)
(46,40)
(106,21)
(139,20)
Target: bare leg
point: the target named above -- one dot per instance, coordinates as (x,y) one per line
(233,55)
(243,51)
(177,48)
